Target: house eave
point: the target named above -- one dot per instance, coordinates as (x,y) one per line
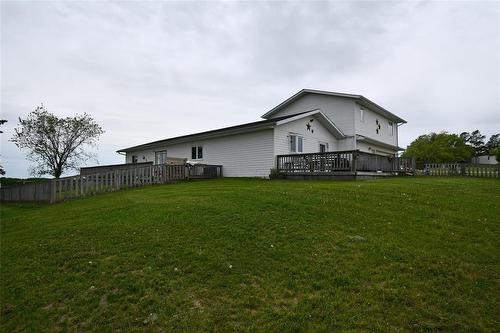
(378,143)
(363,101)
(197,136)
(358,98)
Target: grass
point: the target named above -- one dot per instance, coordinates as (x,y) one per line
(402,254)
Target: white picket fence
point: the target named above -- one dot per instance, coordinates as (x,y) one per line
(77,186)
(462,169)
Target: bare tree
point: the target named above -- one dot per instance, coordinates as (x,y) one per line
(56,144)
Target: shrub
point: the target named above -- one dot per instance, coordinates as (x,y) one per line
(275,174)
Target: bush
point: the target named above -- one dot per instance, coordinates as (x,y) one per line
(275,174)
(496,152)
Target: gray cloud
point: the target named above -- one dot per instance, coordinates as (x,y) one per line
(150,70)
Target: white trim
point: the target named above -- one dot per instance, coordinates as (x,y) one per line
(296,139)
(197,151)
(324,120)
(159,153)
(323,143)
(361,100)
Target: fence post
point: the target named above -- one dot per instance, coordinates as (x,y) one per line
(53,191)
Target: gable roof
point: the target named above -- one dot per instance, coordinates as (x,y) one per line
(320,116)
(357,98)
(238,129)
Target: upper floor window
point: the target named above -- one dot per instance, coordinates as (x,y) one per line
(296,144)
(390,128)
(134,158)
(323,147)
(197,152)
(362,115)
(161,157)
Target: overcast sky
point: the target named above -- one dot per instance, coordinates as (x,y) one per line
(151,70)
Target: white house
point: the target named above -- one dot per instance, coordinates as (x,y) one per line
(485,159)
(310,121)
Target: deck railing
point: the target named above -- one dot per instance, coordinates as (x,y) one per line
(349,161)
(316,162)
(204,171)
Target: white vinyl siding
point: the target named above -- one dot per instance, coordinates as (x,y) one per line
(338,109)
(374,149)
(241,155)
(346,114)
(310,140)
(369,127)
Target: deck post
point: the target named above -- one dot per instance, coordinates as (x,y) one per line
(354,162)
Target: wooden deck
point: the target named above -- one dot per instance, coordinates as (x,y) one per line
(342,165)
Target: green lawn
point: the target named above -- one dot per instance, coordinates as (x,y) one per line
(407,254)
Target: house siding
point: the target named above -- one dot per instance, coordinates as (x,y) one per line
(345,114)
(374,149)
(340,110)
(368,126)
(241,155)
(346,144)
(485,159)
(311,140)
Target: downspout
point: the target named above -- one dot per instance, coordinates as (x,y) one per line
(355,138)
(397,136)
(354,127)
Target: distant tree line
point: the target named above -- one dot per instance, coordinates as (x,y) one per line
(446,147)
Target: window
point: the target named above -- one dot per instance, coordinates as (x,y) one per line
(134,158)
(161,157)
(196,153)
(323,147)
(390,128)
(362,115)
(296,144)
(293,143)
